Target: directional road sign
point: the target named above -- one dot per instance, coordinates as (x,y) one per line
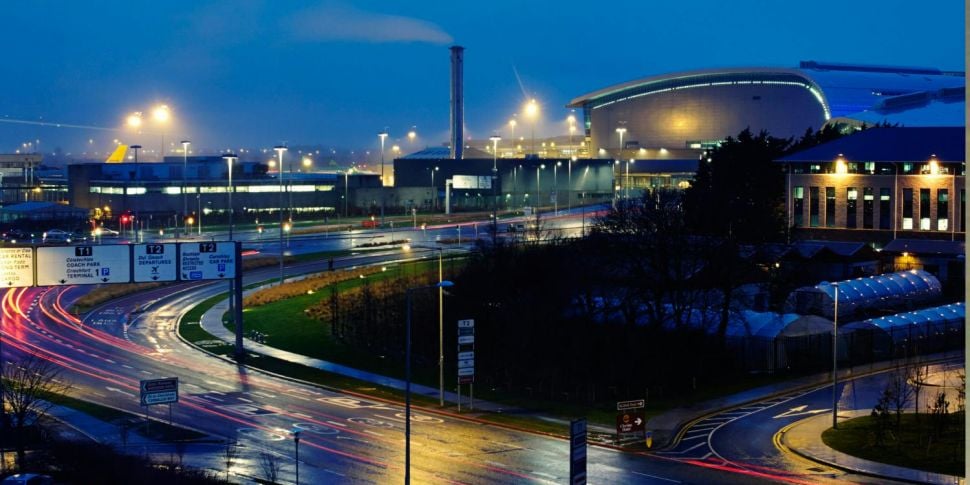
(155,262)
(636,403)
(16,267)
(159,391)
(83,265)
(207,260)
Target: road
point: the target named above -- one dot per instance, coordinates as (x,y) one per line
(746,437)
(343,438)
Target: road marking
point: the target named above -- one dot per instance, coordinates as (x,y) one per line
(301,415)
(335,473)
(692,448)
(244,399)
(799,411)
(213,398)
(219,384)
(337,424)
(146,372)
(119,391)
(544,475)
(263,394)
(375,433)
(694,437)
(654,476)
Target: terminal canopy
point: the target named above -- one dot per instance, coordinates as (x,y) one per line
(891,290)
(916,324)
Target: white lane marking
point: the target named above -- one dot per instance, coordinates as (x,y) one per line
(497,464)
(110,361)
(244,399)
(263,394)
(126,366)
(119,391)
(544,475)
(375,433)
(694,437)
(213,398)
(692,448)
(301,415)
(219,384)
(294,396)
(337,424)
(335,473)
(146,372)
(654,476)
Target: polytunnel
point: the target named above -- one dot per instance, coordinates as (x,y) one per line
(885,291)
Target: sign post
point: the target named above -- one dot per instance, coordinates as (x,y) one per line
(159,391)
(154,262)
(83,265)
(16,267)
(629,420)
(466,360)
(577,452)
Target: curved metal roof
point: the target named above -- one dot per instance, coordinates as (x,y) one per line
(880,291)
(916,323)
(700,78)
(842,89)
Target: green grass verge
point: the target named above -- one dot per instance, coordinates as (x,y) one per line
(157,430)
(910,448)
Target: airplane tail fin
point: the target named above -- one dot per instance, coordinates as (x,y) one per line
(118,155)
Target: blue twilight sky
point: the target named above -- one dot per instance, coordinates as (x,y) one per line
(253,73)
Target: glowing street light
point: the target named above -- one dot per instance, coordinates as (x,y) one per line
(280,149)
(307,163)
(134,120)
(495,139)
(620,131)
(532,112)
(412,135)
(382,135)
(162,115)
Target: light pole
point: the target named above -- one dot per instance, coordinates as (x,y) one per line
(279,151)
(411,136)
(346,192)
(434,190)
(569,190)
(407,378)
(835,359)
(382,135)
(626,184)
(495,139)
(532,112)
(538,198)
(555,186)
(185,174)
(620,131)
(230,159)
(296,450)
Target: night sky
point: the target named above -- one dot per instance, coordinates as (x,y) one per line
(250,73)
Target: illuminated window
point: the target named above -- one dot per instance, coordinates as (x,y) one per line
(302,188)
(324,188)
(263,188)
(852,197)
(136,190)
(214,190)
(885,208)
(172,190)
(94,190)
(908,209)
(829,206)
(798,205)
(868,207)
(870,167)
(924,209)
(813,207)
(942,210)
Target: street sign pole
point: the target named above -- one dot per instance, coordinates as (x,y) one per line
(237,296)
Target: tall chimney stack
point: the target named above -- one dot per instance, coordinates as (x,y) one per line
(457,101)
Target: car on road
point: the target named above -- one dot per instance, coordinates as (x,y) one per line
(56,236)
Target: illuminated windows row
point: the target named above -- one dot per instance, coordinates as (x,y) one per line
(218,189)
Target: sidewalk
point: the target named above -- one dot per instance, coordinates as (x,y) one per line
(805,439)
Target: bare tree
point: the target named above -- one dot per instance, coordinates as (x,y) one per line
(917,378)
(229,454)
(270,465)
(900,394)
(30,385)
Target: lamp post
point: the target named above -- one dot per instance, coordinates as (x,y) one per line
(620,131)
(495,139)
(279,151)
(230,159)
(382,135)
(835,359)
(346,192)
(185,174)
(626,184)
(538,198)
(569,190)
(411,136)
(162,114)
(296,451)
(434,190)
(555,186)
(532,112)
(512,123)
(407,378)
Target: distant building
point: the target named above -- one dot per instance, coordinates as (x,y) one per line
(880,184)
(697,109)
(155,190)
(29,213)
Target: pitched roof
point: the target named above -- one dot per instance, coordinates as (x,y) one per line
(890,145)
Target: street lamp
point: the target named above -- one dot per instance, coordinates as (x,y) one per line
(279,151)
(835,359)
(296,450)
(569,190)
(626,184)
(230,160)
(434,190)
(307,163)
(411,136)
(538,192)
(532,112)
(512,123)
(555,186)
(495,139)
(162,115)
(620,131)
(382,135)
(185,172)
(407,378)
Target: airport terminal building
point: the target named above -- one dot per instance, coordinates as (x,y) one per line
(696,109)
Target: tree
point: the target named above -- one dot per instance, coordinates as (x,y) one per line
(270,464)
(29,387)
(229,455)
(739,190)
